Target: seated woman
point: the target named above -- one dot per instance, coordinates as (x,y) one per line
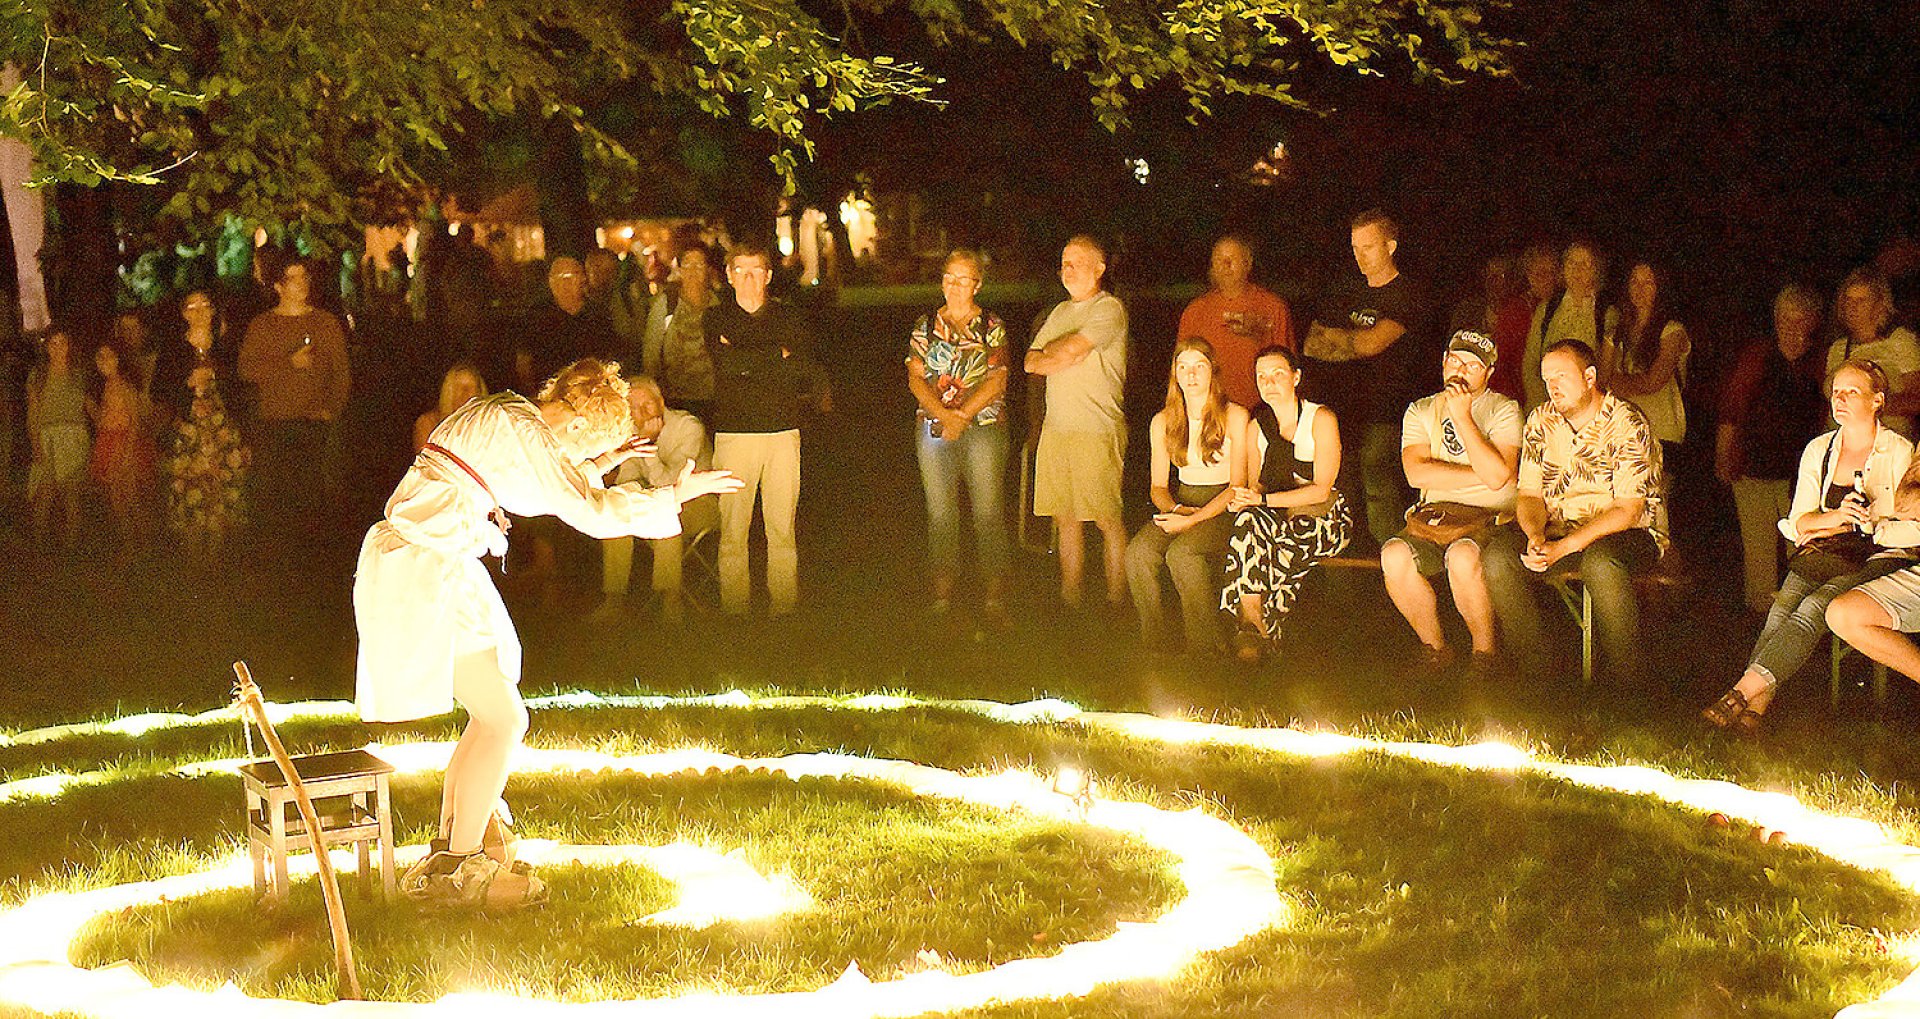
(1841,516)
(1289,516)
(433,630)
(1196,442)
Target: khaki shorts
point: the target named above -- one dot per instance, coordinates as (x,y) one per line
(1076,475)
(1899,594)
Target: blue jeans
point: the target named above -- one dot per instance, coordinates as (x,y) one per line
(1798,618)
(979,456)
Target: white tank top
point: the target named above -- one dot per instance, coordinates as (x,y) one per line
(1219,472)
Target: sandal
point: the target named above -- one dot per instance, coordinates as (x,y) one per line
(1728,710)
(1249,644)
(444,880)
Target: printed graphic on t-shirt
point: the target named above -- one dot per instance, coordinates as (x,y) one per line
(1450,439)
(1365,318)
(1250,324)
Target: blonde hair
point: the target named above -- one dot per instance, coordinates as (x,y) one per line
(593,389)
(461,371)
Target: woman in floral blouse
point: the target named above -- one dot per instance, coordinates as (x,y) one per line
(957,371)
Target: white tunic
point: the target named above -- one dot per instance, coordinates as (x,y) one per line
(420,595)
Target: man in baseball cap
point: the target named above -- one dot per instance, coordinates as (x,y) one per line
(1460,448)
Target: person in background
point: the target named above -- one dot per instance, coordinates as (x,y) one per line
(461,383)
(1771,408)
(1237,318)
(1645,358)
(1197,442)
(1081,352)
(765,380)
(295,356)
(570,327)
(57,429)
(123,456)
(1588,504)
(1863,310)
(138,360)
(957,372)
(1841,518)
(1539,281)
(678,440)
(676,344)
(1289,515)
(1372,343)
(1575,313)
(1461,450)
(206,461)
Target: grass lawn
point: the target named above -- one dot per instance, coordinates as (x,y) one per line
(1415,890)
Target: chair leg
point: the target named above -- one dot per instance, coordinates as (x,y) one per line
(1586,637)
(1838,654)
(1879,685)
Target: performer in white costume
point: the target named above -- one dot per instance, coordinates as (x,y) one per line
(432,627)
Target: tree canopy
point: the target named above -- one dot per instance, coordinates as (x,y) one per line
(325,115)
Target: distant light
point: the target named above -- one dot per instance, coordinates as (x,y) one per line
(626,233)
(453,228)
(1140,170)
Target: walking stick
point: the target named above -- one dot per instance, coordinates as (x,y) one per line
(248,697)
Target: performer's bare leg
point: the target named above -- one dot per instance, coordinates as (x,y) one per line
(477,772)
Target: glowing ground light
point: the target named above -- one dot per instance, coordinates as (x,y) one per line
(1229,881)
(1853,841)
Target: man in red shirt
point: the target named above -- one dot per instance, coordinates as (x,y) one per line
(1238,318)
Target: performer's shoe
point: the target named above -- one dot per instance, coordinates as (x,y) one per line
(450,881)
(498,840)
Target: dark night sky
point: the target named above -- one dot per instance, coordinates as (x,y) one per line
(1742,143)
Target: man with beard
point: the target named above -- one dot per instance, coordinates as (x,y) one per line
(1461,448)
(1588,505)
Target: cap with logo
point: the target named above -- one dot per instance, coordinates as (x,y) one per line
(1472,341)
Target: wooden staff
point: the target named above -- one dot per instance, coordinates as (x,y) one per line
(248,696)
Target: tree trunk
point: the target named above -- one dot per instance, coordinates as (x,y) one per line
(565,215)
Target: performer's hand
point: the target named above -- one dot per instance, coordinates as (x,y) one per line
(694,484)
(1242,498)
(634,448)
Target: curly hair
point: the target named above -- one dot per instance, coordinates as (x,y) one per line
(593,389)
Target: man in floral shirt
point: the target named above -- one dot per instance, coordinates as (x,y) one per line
(957,372)
(1589,505)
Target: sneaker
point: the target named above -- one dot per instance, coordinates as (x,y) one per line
(447,881)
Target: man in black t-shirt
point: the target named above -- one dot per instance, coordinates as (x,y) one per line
(1370,343)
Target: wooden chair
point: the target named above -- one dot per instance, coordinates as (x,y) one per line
(349,791)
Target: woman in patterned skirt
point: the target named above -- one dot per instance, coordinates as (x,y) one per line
(1289,516)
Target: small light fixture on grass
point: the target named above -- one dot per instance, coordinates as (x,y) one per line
(1073,782)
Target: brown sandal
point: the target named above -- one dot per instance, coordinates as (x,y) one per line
(1729,710)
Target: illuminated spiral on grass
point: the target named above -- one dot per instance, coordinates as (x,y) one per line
(1229,879)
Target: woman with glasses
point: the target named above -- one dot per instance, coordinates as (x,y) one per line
(957,373)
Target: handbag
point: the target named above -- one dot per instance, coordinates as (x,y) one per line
(1444,523)
(1831,555)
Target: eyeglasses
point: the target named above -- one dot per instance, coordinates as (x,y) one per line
(750,270)
(946,278)
(563,276)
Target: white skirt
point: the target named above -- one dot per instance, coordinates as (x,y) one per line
(418,610)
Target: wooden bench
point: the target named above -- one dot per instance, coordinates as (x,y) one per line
(1840,651)
(1664,577)
(350,792)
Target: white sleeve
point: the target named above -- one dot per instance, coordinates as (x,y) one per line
(1808,489)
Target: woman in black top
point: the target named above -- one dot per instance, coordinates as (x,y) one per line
(1289,516)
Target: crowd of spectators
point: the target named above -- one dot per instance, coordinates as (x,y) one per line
(1539,455)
